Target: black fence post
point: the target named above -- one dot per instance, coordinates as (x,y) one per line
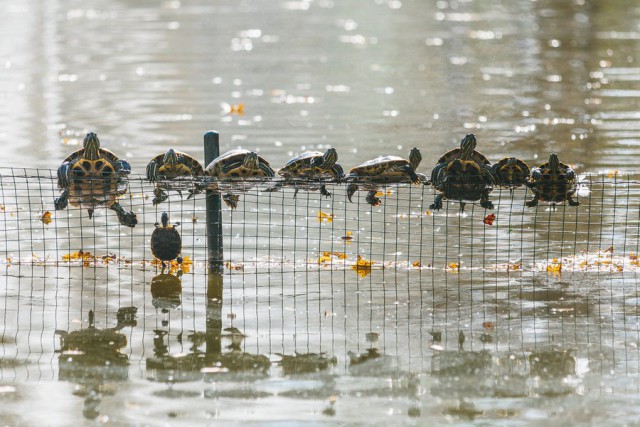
(213,334)
(214,208)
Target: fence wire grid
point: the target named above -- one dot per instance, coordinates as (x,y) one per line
(275,230)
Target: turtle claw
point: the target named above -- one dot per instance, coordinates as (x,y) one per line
(61,202)
(437,203)
(372,199)
(351,190)
(573,202)
(128,219)
(231,200)
(159,196)
(324,192)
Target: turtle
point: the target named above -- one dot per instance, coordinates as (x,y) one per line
(372,175)
(237,170)
(166,243)
(463,174)
(511,172)
(553,182)
(94,176)
(174,166)
(311,165)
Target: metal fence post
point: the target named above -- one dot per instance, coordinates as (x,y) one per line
(214,208)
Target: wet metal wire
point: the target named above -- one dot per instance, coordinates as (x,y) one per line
(285,231)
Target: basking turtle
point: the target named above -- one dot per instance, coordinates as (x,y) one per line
(310,165)
(553,182)
(166,243)
(94,176)
(463,174)
(374,174)
(180,168)
(511,172)
(237,171)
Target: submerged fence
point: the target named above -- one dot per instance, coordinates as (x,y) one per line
(275,230)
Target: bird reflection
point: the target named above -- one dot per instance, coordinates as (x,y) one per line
(91,358)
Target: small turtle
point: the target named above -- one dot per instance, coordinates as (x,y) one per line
(372,175)
(463,174)
(178,167)
(553,182)
(311,165)
(166,243)
(237,170)
(511,172)
(94,176)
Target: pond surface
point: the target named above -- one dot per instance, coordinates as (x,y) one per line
(458,324)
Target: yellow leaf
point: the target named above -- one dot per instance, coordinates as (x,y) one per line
(609,250)
(613,173)
(46,218)
(324,217)
(237,267)
(324,259)
(362,267)
(417,264)
(453,267)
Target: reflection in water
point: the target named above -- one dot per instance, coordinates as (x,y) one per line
(91,358)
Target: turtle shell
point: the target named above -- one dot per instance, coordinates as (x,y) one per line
(231,165)
(301,165)
(166,243)
(463,180)
(94,182)
(185,166)
(511,172)
(554,186)
(384,168)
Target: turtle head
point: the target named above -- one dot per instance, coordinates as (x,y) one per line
(91,145)
(170,157)
(467,145)
(251,161)
(164,219)
(328,160)
(554,163)
(415,158)
(512,161)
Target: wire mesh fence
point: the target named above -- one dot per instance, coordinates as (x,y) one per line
(286,230)
(397,307)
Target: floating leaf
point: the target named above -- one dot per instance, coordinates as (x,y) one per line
(417,264)
(453,267)
(324,217)
(46,218)
(613,173)
(362,267)
(487,325)
(237,108)
(237,267)
(609,250)
(554,267)
(488,220)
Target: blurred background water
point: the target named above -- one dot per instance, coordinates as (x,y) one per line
(369,78)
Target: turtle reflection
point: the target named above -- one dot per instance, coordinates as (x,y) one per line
(91,358)
(166,291)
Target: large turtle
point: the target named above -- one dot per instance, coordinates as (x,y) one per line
(94,176)
(177,167)
(463,174)
(553,182)
(311,166)
(237,171)
(511,172)
(166,243)
(374,174)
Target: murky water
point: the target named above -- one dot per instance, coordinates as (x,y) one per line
(407,345)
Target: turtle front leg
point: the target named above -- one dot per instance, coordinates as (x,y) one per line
(152,171)
(231,200)
(437,203)
(159,196)
(372,199)
(411,174)
(572,201)
(123,168)
(324,192)
(484,200)
(63,176)
(128,219)
(61,202)
(533,202)
(338,173)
